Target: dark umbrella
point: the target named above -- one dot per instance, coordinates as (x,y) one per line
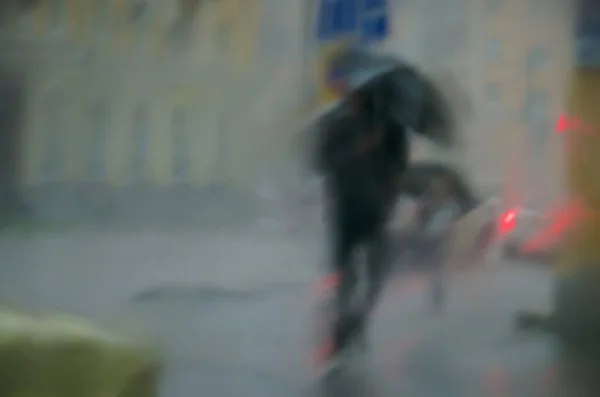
(351,69)
(399,90)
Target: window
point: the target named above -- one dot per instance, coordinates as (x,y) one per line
(54,141)
(537,58)
(493,93)
(493,5)
(492,50)
(101,14)
(188,8)
(182,28)
(140,142)
(224,36)
(27,21)
(536,115)
(99,141)
(456,39)
(274,29)
(435,50)
(181,34)
(143,14)
(137,10)
(535,108)
(180,146)
(58,13)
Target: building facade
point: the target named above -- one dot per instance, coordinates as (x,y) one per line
(161,93)
(512,58)
(154,92)
(525,56)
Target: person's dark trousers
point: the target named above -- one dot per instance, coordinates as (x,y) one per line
(350,232)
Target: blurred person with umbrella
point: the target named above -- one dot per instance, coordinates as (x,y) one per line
(362,147)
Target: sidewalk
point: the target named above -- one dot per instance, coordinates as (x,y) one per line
(95,270)
(261,346)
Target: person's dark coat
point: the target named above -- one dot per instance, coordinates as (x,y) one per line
(402,99)
(362,184)
(360,158)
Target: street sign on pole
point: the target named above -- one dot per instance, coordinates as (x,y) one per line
(366,21)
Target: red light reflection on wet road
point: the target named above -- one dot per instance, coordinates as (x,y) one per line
(396,355)
(495,382)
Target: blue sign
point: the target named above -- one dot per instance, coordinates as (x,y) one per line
(365,20)
(588,33)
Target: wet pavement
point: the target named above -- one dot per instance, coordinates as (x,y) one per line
(260,344)
(237,316)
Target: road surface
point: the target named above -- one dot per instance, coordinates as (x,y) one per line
(251,332)
(261,344)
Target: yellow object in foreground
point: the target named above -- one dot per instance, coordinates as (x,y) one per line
(59,356)
(577,289)
(583,168)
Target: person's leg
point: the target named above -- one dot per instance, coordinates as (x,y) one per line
(377,270)
(344,245)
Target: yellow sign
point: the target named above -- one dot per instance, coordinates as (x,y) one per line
(326,51)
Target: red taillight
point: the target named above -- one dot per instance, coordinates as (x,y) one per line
(562,124)
(508,221)
(566,124)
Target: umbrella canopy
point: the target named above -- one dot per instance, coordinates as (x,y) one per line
(400,91)
(352,68)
